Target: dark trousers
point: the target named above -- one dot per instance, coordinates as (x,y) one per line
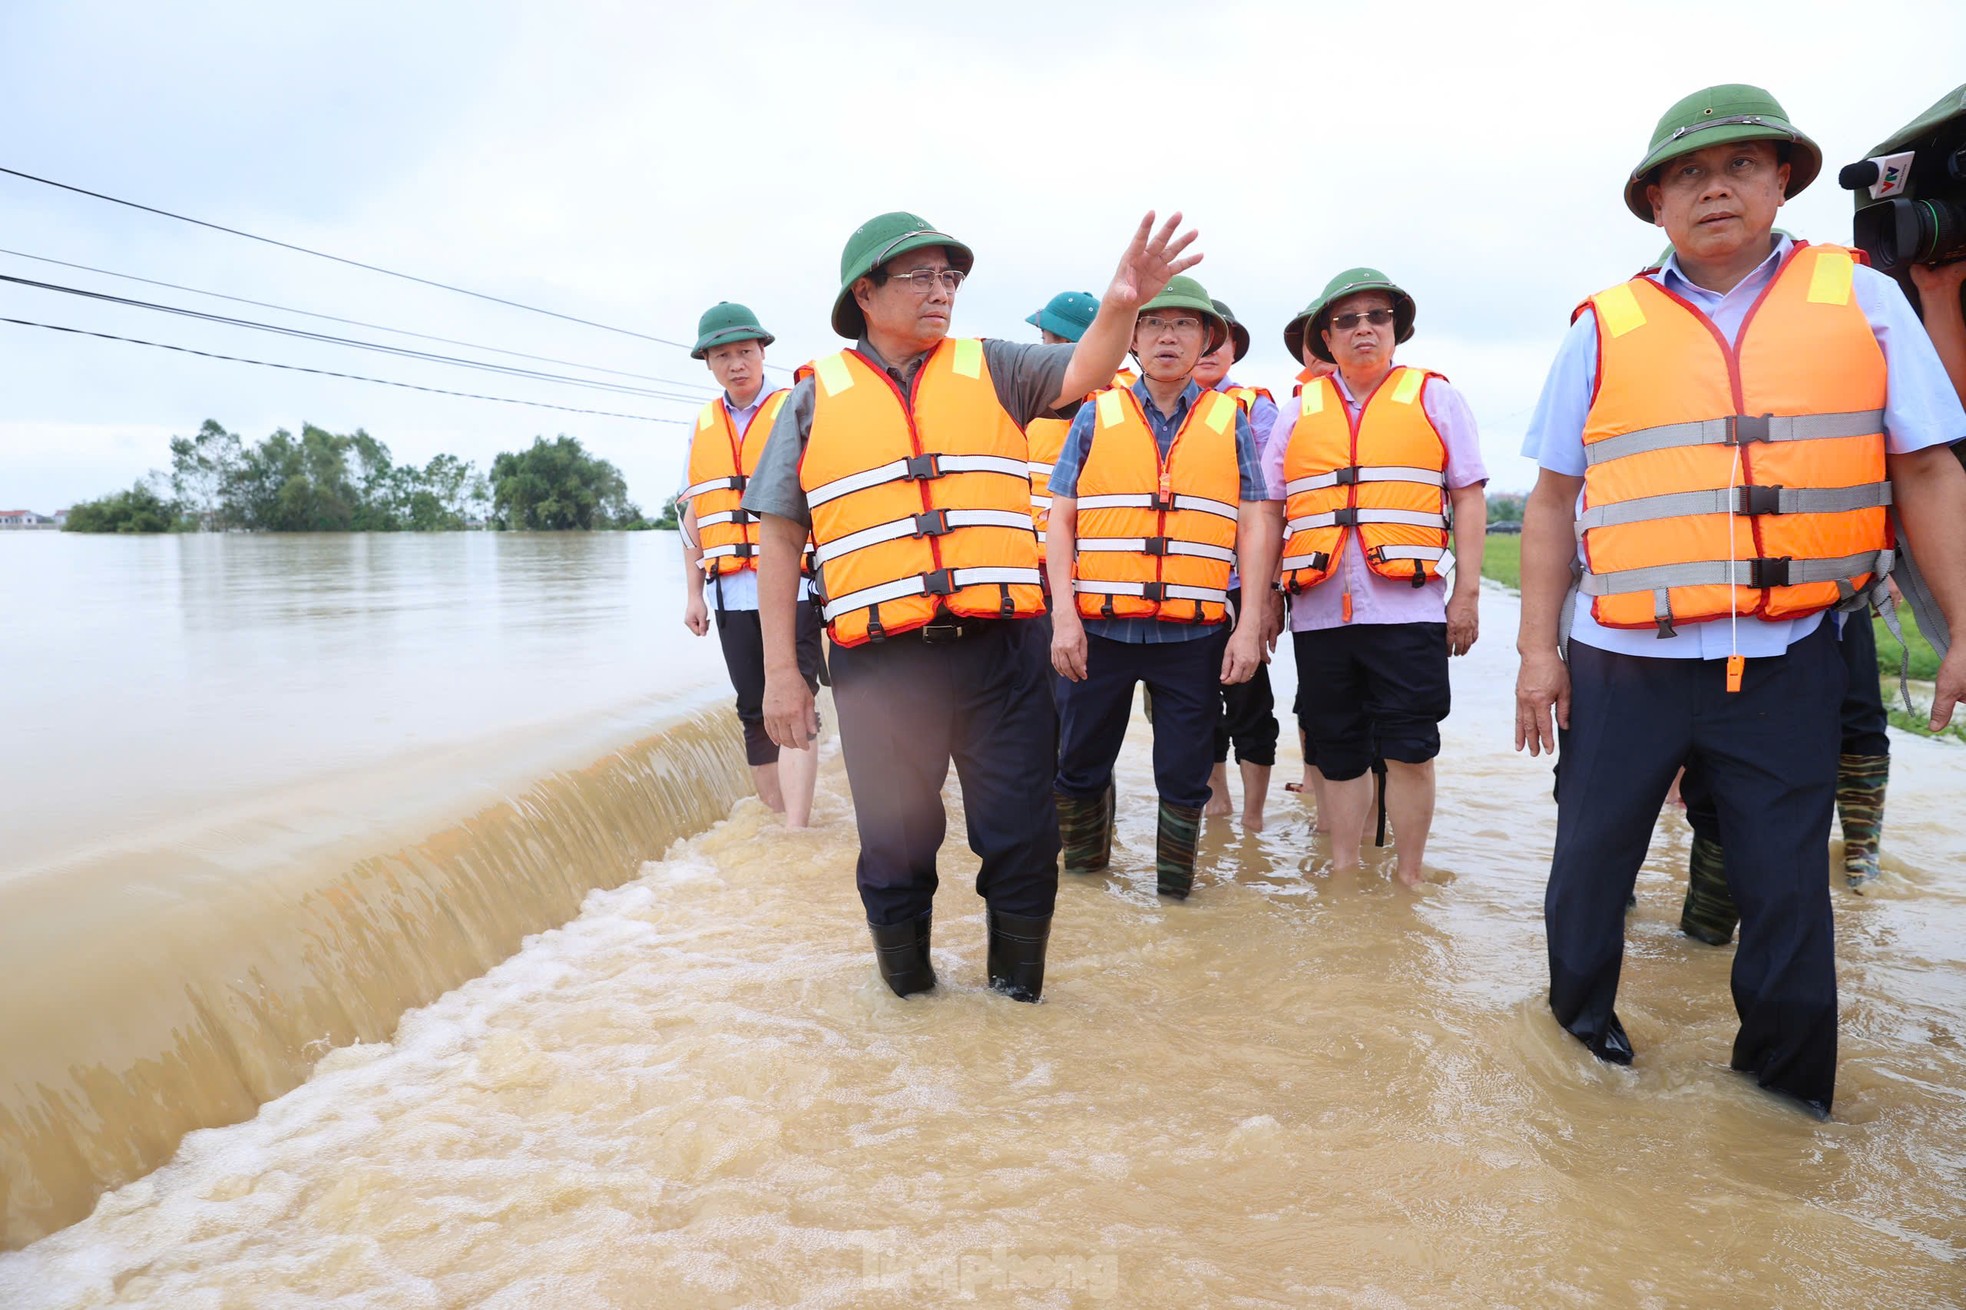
(1864,724)
(744,655)
(1185,680)
(907,708)
(1249,709)
(1372,691)
(1768,755)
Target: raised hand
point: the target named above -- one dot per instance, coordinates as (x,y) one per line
(1151,258)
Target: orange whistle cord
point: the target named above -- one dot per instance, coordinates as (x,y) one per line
(1347,599)
(1736,666)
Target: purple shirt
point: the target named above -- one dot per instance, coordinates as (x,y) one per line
(1376,599)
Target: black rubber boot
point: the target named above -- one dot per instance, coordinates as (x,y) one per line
(1085,831)
(1174,863)
(1709,914)
(1860,782)
(1017,945)
(901,949)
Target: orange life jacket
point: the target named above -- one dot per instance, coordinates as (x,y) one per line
(921,505)
(1047,438)
(721,460)
(1156,537)
(1304,376)
(1248,396)
(1125,378)
(1743,480)
(1380,476)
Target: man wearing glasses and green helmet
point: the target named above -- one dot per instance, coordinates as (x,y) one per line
(905,457)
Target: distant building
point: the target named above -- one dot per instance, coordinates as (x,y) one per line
(61,518)
(17,519)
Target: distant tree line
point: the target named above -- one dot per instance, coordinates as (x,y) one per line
(322,481)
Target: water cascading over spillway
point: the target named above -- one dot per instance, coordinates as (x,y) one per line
(149,996)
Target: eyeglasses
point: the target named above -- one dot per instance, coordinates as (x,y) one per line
(1376,317)
(923,279)
(1184,326)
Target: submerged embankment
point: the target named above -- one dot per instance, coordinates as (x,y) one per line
(1298,1088)
(278,791)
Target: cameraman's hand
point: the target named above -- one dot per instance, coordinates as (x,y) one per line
(1938,279)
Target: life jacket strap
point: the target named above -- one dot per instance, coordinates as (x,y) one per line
(1745,500)
(1736,430)
(733,483)
(941,582)
(1351,476)
(1346,518)
(1155,546)
(1153,591)
(916,468)
(1757,574)
(935,523)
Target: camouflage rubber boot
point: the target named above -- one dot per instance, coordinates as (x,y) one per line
(1084,831)
(1709,914)
(1174,863)
(1860,783)
(1108,812)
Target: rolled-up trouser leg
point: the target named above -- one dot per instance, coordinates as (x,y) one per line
(1004,746)
(1630,729)
(1769,753)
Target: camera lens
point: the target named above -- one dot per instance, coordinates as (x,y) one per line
(1903,232)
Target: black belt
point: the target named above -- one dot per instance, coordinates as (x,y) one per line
(947,630)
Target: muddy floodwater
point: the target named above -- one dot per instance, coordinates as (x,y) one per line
(1299,1088)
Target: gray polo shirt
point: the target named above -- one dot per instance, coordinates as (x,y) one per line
(1026,376)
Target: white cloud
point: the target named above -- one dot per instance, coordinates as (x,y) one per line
(635,163)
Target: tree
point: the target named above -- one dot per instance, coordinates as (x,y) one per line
(143,508)
(203,469)
(555,486)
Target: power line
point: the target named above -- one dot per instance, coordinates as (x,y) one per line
(404,352)
(355,322)
(330,373)
(340,259)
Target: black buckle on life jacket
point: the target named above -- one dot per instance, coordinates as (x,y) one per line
(1419,575)
(1155,545)
(939,583)
(1347,477)
(922,468)
(1163,500)
(743,550)
(740,515)
(1154,591)
(935,523)
(1344,518)
(1758,500)
(1769,571)
(1743,429)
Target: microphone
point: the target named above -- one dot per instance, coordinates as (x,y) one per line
(1882,175)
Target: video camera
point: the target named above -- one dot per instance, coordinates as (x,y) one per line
(1911,192)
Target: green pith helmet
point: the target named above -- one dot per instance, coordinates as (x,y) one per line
(1236,330)
(725,322)
(1350,282)
(1716,116)
(1067,314)
(875,242)
(1183,292)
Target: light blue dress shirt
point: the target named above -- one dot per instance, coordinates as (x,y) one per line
(1921,410)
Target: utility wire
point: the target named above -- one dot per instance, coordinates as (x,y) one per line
(352,263)
(404,352)
(356,322)
(330,373)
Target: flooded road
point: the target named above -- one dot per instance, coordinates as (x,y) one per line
(1296,1089)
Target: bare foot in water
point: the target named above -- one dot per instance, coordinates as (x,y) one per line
(1252,821)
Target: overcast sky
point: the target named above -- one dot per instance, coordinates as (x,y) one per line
(634,163)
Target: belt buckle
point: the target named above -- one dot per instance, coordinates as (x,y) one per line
(936,634)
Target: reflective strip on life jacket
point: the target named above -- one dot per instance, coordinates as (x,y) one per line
(1157,546)
(920,467)
(1346,476)
(1153,591)
(935,523)
(1740,479)
(945,582)
(735,483)
(1199,504)
(1735,430)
